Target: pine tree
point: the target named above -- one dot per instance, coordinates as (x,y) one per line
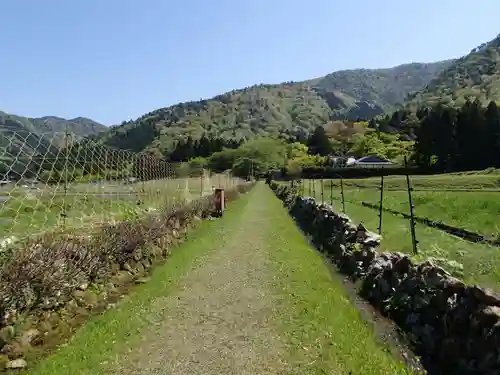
(492,120)
(319,143)
(424,143)
(203,149)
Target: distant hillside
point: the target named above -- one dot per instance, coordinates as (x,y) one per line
(289,108)
(24,140)
(80,126)
(50,125)
(476,75)
(267,110)
(366,93)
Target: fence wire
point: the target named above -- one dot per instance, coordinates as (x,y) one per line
(59,182)
(369,196)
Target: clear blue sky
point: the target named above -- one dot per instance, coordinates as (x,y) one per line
(112,60)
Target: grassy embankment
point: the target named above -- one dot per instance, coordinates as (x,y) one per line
(473,210)
(25,211)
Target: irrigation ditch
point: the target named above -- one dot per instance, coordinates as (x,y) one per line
(462,233)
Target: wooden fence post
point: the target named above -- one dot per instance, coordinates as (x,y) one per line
(412,218)
(380,208)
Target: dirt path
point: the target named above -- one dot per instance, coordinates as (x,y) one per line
(220,322)
(245,295)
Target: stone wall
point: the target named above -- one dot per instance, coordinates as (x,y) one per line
(454,327)
(52,283)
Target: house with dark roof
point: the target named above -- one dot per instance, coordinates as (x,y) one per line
(370,161)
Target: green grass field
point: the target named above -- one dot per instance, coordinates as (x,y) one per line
(476,211)
(487,179)
(82,206)
(475,263)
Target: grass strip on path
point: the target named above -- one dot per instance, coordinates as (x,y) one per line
(113,332)
(220,321)
(324,332)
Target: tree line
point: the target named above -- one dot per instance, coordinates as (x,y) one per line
(436,139)
(205,146)
(458,139)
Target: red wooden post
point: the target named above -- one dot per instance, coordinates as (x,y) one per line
(219,201)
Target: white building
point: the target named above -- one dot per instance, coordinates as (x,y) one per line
(371,161)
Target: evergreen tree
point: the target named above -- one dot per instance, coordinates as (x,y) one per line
(424,143)
(178,152)
(492,120)
(188,151)
(319,143)
(444,130)
(203,148)
(461,139)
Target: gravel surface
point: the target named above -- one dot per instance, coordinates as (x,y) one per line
(220,321)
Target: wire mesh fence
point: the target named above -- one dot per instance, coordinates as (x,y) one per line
(62,183)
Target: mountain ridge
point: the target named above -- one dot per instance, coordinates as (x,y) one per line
(81,126)
(287,109)
(475,75)
(24,141)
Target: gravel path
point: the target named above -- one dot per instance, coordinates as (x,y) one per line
(220,322)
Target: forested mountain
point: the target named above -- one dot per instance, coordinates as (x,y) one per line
(267,110)
(50,125)
(369,92)
(474,76)
(290,108)
(80,126)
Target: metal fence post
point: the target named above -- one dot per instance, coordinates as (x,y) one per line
(342,194)
(381,205)
(314,188)
(412,219)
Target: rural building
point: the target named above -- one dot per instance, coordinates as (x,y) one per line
(337,161)
(371,161)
